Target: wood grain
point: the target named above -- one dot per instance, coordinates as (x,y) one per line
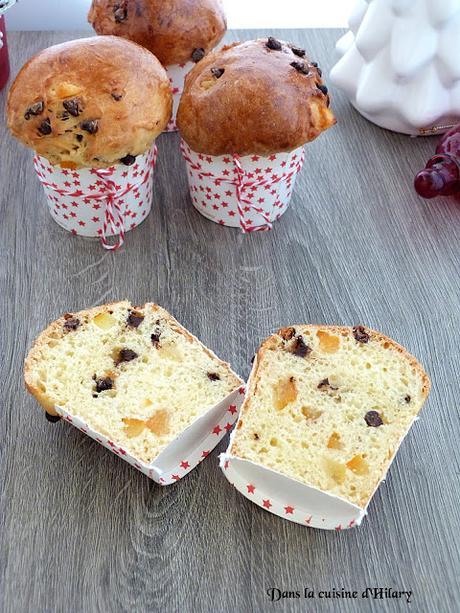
(81,531)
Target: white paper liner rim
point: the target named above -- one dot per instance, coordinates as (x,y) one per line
(224,413)
(286,508)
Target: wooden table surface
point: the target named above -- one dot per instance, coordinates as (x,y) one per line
(82,531)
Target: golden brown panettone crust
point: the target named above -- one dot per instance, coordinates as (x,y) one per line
(250,98)
(171,29)
(90,102)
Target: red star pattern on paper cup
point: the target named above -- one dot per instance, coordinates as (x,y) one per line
(207,438)
(99,202)
(256,483)
(249,192)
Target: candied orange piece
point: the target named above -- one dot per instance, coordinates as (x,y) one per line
(358,465)
(66,89)
(284,392)
(159,422)
(69,165)
(104,321)
(311,413)
(334,441)
(328,343)
(133,427)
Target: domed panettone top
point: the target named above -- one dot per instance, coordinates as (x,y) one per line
(176,31)
(257,97)
(90,102)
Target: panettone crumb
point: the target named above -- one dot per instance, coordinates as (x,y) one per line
(331,416)
(133,374)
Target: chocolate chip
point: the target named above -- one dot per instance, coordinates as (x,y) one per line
(322,88)
(273,44)
(372,418)
(89,125)
(45,127)
(73,106)
(326,384)
(155,338)
(287,333)
(128,160)
(252,359)
(104,384)
(64,116)
(116,96)
(407,399)
(217,72)
(120,12)
(79,137)
(52,418)
(299,348)
(198,54)
(135,319)
(314,64)
(300,67)
(126,355)
(256,436)
(298,52)
(319,71)
(34,110)
(213,376)
(71,324)
(360,334)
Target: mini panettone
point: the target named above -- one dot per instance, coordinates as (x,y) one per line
(256,97)
(328,407)
(90,103)
(176,31)
(133,374)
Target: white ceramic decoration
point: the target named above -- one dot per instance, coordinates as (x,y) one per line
(400,64)
(5,4)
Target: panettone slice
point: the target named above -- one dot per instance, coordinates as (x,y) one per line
(328,407)
(133,374)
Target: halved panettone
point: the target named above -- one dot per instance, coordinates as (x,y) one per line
(134,374)
(328,406)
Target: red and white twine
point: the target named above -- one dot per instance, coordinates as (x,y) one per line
(109,195)
(242,185)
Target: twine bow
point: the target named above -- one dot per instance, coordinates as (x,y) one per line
(109,195)
(242,184)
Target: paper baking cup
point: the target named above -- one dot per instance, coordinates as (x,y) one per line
(248,192)
(177,74)
(289,498)
(183,454)
(100,203)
